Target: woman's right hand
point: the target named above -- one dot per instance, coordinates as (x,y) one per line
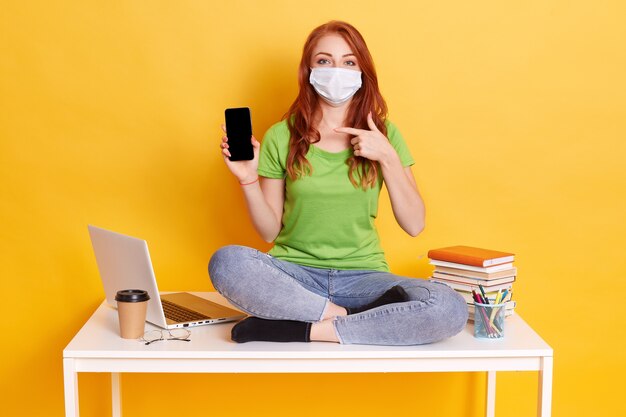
(245,171)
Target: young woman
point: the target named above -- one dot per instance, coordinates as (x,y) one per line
(312,189)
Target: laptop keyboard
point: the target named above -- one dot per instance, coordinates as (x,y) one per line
(180,314)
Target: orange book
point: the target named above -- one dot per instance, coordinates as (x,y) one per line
(468,255)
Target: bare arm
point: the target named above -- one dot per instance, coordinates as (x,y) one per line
(265,201)
(264,198)
(406,201)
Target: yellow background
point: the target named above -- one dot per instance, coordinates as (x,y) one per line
(515,114)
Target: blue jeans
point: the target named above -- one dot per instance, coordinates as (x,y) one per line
(270,288)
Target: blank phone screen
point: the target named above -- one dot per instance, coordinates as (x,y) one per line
(239,132)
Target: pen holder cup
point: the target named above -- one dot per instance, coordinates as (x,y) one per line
(489,321)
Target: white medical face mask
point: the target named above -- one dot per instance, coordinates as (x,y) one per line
(335,85)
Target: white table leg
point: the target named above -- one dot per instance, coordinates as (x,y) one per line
(491,394)
(544,403)
(116,394)
(70,383)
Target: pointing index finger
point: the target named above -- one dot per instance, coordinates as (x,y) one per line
(351,130)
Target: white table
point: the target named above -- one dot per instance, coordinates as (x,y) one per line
(98,348)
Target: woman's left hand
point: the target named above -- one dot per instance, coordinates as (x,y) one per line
(370,144)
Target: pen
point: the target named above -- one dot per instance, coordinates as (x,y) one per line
(478,311)
(477,297)
(494,310)
(489,329)
(482,290)
(477,300)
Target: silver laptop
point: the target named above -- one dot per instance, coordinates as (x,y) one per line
(124,263)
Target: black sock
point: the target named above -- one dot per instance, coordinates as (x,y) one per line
(393,295)
(254,329)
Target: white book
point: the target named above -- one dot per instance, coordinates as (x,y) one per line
(467,288)
(487,269)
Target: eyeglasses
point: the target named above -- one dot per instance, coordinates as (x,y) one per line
(152,336)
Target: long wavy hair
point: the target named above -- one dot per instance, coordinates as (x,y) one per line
(362,171)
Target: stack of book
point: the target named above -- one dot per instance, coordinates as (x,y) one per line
(465,268)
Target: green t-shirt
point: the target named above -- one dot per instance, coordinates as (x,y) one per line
(327,222)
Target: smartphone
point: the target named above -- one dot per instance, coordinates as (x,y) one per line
(239,133)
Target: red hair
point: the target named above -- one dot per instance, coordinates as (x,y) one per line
(362,172)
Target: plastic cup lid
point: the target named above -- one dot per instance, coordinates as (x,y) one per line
(132,296)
